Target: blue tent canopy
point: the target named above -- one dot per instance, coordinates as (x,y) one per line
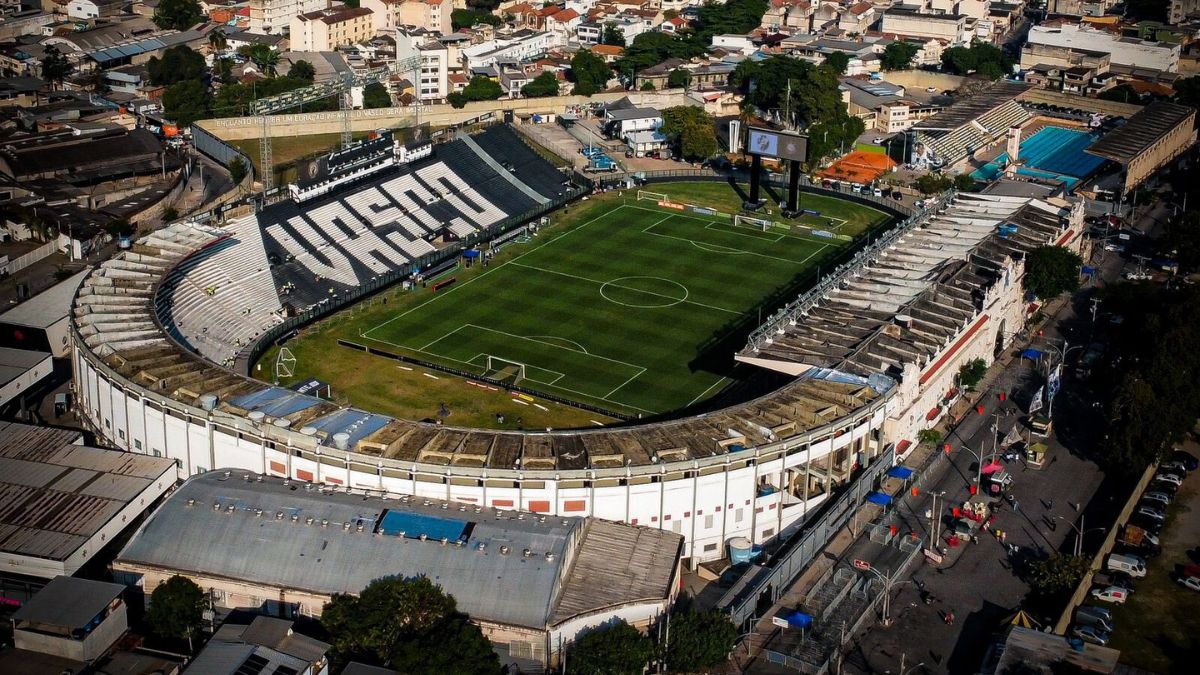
(471,253)
(1089,271)
(799,620)
(879,498)
(901,472)
(1033,354)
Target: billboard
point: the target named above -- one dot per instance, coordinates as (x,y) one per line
(779,144)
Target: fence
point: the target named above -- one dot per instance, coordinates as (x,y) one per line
(25,260)
(251,352)
(483,378)
(741,602)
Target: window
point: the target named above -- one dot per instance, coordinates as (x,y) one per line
(708,522)
(137,444)
(709,548)
(677,527)
(737,515)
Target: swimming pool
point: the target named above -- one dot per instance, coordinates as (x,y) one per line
(1052,152)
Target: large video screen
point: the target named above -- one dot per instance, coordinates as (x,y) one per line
(777,144)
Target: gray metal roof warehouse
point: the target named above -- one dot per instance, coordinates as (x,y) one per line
(503,567)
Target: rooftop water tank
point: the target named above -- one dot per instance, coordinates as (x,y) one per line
(341,440)
(740,550)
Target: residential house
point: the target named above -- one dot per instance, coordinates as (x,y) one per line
(953,29)
(674,25)
(562,25)
(432,15)
(610,53)
(857,18)
(275,16)
(796,15)
(267,645)
(734,43)
(328,29)
(519,46)
(94,9)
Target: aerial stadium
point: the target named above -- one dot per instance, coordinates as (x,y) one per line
(475,263)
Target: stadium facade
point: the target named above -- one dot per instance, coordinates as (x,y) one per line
(161,334)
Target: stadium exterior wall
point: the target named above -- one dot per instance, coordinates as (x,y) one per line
(709,500)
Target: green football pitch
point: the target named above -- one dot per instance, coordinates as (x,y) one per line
(614,311)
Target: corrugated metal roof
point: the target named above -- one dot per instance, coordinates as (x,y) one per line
(69,602)
(48,307)
(279,547)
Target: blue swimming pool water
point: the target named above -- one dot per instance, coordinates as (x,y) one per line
(1052,152)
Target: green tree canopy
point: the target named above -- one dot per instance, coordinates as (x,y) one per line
(619,650)
(1051,271)
(1187,91)
(971,373)
(613,35)
(233,100)
(222,71)
(652,48)
(964,183)
(648,86)
(302,70)
(217,40)
(836,133)
(691,131)
(55,66)
(375,95)
(187,101)
(176,608)
(983,58)
(177,14)
(838,62)
(1058,573)
(898,55)
(409,625)
(238,170)
(545,84)
(589,72)
(678,79)
(177,64)
(1180,240)
(699,640)
(814,95)
(933,183)
(465,18)
(482,88)
(264,57)
(1122,93)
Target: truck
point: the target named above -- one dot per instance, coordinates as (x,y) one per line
(1137,537)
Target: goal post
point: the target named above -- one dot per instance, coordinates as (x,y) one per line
(740,220)
(652,196)
(504,370)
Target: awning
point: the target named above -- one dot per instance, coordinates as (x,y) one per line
(991,468)
(879,498)
(470,253)
(799,620)
(1032,354)
(902,446)
(901,472)
(933,413)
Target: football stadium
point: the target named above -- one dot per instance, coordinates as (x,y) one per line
(466,322)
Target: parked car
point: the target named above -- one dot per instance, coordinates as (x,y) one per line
(1114,578)
(1114,594)
(1093,610)
(1148,524)
(1185,458)
(1091,634)
(1161,486)
(897,195)
(1157,497)
(1168,478)
(1189,582)
(1174,467)
(1151,513)
(1085,619)
(1114,248)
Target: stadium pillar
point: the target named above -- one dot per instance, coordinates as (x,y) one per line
(793,197)
(755,172)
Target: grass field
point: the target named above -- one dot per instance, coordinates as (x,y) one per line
(619,303)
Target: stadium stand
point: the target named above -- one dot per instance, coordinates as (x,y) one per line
(291,257)
(971,124)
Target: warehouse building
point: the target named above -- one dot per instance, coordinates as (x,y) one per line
(531,582)
(61,502)
(1157,134)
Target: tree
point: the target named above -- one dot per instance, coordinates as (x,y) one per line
(409,625)
(1147,10)
(838,62)
(375,95)
(691,131)
(648,86)
(1058,573)
(964,183)
(177,64)
(1052,270)
(619,650)
(678,79)
(930,436)
(465,18)
(222,70)
(456,99)
(55,66)
(806,93)
(545,84)
(176,608)
(303,70)
(985,59)
(482,88)
(1122,93)
(971,373)
(1187,91)
(169,214)
(1180,240)
(238,170)
(177,14)
(613,35)
(217,40)
(699,640)
(933,183)
(898,55)
(264,57)
(590,72)
(187,101)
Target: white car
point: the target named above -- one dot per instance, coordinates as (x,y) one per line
(1111,594)
(1159,497)
(931,90)
(879,141)
(1151,513)
(1190,582)
(1091,634)
(1169,478)
(1114,248)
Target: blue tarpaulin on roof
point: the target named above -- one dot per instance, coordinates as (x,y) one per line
(799,620)
(879,498)
(1033,354)
(901,472)
(413,525)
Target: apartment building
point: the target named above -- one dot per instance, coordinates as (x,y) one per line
(955,29)
(274,16)
(432,15)
(328,29)
(1075,39)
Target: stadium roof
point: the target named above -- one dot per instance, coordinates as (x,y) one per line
(972,107)
(55,495)
(1142,131)
(48,307)
(502,566)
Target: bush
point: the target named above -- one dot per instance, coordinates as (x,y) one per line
(971,373)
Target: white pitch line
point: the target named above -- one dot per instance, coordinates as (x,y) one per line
(629,288)
(705,392)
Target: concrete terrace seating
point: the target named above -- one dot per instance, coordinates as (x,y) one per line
(502,143)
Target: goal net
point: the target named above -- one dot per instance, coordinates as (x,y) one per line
(652,196)
(740,220)
(504,370)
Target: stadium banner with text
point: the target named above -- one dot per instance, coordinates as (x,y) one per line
(702,210)
(671,205)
